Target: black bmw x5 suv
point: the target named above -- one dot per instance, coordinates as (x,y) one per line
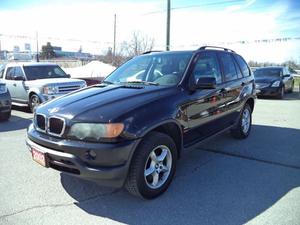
(131,129)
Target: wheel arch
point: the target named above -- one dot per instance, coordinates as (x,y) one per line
(250,102)
(172,129)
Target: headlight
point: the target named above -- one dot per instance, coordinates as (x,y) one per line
(95,131)
(3,88)
(276,83)
(50,89)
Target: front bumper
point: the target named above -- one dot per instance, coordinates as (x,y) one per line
(108,168)
(269,91)
(5,102)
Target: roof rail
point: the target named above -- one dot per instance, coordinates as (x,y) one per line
(148,52)
(208,46)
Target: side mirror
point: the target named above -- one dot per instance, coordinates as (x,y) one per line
(22,78)
(206,83)
(68,75)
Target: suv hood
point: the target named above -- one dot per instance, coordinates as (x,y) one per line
(42,82)
(103,103)
(266,79)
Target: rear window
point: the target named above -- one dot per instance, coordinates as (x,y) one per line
(243,65)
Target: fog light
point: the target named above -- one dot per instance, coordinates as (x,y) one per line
(90,155)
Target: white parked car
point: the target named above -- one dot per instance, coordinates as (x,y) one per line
(34,83)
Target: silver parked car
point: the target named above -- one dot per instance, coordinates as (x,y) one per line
(5,102)
(34,83)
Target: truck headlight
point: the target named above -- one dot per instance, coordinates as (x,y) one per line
(3,88)
(50,90)
(95,131)
(276,84)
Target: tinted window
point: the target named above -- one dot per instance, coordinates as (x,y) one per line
(207,66)
(268,72)
(163,69)
(237,68)
(228,66)
(243,65)
(9,73)
(44,72)
(18,72)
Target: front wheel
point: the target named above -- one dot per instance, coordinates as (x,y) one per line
(243,127)
(281,92)
(153,166)
(34,102)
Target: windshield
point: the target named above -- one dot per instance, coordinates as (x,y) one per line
(159,69)
(44,72)
(270,72)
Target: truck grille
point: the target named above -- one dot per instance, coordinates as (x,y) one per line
(67,89)
(40,122)
(53,125)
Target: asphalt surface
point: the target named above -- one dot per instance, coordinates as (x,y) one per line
(221,181)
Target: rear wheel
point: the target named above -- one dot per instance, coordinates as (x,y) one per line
(34,102)
(5,116)
(243,127)
(153,166)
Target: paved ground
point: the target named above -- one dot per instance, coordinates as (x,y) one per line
(222,181)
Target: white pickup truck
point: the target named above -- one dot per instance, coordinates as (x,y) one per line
(30,84)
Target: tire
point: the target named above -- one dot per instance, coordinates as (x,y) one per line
(281,94)
(292,88)
(148,178)
(34,102)
(5,116)
(243,127)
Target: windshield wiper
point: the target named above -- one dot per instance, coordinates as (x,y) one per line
(142,82)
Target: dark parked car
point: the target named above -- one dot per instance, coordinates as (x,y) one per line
(5,102)
(131,129)
(273,81)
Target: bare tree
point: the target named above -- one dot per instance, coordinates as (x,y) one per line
(138,44)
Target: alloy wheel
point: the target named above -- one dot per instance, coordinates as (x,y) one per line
(158,167)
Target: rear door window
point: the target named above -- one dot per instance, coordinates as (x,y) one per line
(229,69)
(243,65)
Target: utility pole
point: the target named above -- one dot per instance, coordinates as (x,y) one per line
(115,33)
(37,47)
(168,25)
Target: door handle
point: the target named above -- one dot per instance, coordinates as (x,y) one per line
(15,84)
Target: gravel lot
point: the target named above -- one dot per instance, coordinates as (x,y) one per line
(221,181)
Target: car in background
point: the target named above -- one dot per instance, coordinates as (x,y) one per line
(5,102)
(31,84)
(273,81)
(135,125)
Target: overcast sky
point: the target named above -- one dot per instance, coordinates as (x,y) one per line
(71,23)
